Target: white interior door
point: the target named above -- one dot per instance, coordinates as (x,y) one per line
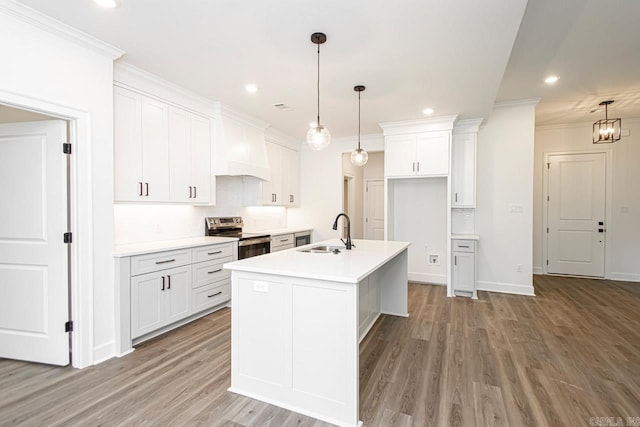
(576,214)
(33,257)
(375,210)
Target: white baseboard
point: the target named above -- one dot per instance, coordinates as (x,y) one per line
(104,352)
(434,279)
(538,270)
(624,277)
(506,288)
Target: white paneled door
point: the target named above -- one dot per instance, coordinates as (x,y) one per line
(374,204)
(576,214)
(33,255)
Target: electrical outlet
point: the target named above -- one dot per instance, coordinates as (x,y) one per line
(434,259)
(519,268)
(260,286)
(426,248)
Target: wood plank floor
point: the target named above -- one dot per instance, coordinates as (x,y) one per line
(558,359)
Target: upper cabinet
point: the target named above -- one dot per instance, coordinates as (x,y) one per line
(162,152)
(141,147)
(283,187)
(189,157)
(463,164)
(417,154)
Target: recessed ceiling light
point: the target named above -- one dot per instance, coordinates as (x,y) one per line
(428,111)
(251,88)
(551,80)
(108,3)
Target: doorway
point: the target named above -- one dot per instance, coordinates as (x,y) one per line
(348,198)
(374,209)
(34,257)
(576,217)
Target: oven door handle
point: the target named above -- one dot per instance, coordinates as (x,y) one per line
(250,242)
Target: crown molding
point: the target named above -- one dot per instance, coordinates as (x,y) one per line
(467,126)
(422,125)
(517,103)
(46,23)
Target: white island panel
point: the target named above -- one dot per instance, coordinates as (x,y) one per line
(298,318)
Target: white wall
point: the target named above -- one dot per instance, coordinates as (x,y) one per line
(374,169)
(504,181)
(356,217)
(76,76)
(321,185)
(623,229)
(15,115)
(419,209)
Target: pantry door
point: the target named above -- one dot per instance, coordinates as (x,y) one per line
(576,214)
(34,304)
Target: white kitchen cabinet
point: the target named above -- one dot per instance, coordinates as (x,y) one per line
(159,298)
(463,176)
(283,188)
(141,147)
(419,154)
(464,268)
(282,241)
(168,288)
(189,157)
(368,303)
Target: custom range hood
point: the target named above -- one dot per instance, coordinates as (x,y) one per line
(240,148)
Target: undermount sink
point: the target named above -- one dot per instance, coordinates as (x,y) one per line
(323,249)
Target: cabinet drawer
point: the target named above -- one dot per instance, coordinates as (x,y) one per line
(208,253)
(464,245)
(210,271)
(210,295)
(142,264)
(279,243)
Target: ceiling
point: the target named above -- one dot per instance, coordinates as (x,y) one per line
(455,56)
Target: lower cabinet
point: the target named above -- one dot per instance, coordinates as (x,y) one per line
(464,268)
(282,242)
(168,287)
(368,303)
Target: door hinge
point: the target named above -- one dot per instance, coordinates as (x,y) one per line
(548,165)
(547,262)
(547,230)
(66,148)
(547,198)
(68,326)
(67,237)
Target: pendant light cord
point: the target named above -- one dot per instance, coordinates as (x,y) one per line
(359,121)
(318,88)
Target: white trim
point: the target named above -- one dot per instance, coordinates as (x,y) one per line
(578,125)
(624,277)
(444,123)
(506,288)
(517,103)
(81,224)
(432,279)
(104,352)
(467,126)
(57,28)
(608,152)
(365,208)
(538,270)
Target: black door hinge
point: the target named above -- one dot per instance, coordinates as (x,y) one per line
(547,262)
(548,165)
(68,326)
(66,148)
(67,237)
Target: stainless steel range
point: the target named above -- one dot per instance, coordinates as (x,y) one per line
(249,244)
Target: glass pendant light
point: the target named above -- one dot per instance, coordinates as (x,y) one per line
(359,156)
(318,136)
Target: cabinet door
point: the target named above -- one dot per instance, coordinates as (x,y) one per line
(147,303)
(201,159)
(272,190)
(399,155)
(155,149)
(432,153)
(177,293)
(181,188)
(128,146)
(290,177)
(464,171)
(363,305)
(463,271)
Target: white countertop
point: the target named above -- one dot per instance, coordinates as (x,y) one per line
(167,245)
(279,231)
(464,236)
(347,266)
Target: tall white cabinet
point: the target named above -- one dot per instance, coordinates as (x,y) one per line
(283,188)
(417,154)
(162,152)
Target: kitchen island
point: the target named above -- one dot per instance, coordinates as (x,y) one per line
(298,317)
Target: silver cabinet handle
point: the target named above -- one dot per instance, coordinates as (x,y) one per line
(463,246)
(455,260)
(456,197)
(146,184)
(190,192)
(165,261)
(214,295)
(284,240)
(162,284)
(214,253)
(413,166)
(140,193)
(418,166)
(168,282)
(215,271)
(195,192)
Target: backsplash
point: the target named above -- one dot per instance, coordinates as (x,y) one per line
(135,223)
